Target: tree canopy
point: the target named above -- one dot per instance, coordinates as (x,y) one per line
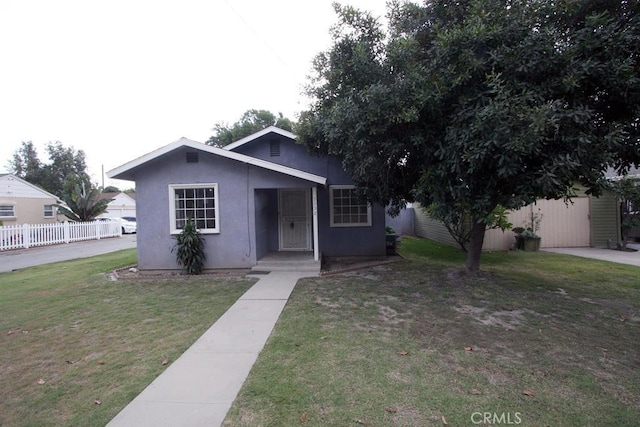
(252,121)
(467,105)
(65,163)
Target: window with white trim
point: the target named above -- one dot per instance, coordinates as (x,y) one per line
(48,211)
(196,201)
(7,211)
(347,210)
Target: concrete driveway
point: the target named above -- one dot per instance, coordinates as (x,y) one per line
(631,258)
(23,258)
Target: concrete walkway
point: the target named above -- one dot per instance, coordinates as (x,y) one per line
(631,258)
(199,388)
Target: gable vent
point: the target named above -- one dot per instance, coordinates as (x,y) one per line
(192,157)
(275,148)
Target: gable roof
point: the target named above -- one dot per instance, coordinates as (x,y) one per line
(263,132)
(103,196)
(114,195)
(120,172)
(32,190)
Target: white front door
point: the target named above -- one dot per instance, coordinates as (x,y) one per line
(294,224)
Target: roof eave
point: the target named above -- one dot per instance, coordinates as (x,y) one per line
(117,173)
(120,172)
(259,134)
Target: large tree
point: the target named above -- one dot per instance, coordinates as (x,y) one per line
(26,164)
(467,105)
(65,163)
(252,121)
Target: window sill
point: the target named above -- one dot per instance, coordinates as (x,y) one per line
(176,232)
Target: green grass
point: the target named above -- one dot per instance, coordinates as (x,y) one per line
(416,342)
(70,337)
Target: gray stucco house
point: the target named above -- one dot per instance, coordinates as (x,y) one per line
(261,195)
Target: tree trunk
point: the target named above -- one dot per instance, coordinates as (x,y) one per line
(476,239)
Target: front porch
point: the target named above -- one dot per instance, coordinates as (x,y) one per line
(286,228)
(288,261)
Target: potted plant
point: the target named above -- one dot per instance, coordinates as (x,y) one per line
(391,239)
(527,238)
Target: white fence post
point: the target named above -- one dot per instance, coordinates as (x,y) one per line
(25,236)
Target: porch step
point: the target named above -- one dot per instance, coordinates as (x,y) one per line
(287,262)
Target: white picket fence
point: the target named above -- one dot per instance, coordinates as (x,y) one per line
(30,235)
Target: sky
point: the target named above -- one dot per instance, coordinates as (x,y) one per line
(121,78)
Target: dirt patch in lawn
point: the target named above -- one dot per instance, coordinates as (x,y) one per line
(358,266)
(131,272)
(507,319)
(366,267)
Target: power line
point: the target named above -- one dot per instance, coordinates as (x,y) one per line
(262,39)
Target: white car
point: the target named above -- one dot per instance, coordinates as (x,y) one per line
(128,223)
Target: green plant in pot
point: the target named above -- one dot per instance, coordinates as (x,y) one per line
(527,238)
(391,239)
(189,249)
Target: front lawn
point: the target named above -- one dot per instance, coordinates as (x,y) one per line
(76,347)
(538,340)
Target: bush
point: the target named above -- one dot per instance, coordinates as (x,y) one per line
(189,249)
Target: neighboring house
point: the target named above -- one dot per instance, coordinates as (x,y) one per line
(585,221)
(24,203)
(123,204)
(262,194)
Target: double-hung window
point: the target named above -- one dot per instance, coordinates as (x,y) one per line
(347,210)
(7,211)
(48,211)
(196,201)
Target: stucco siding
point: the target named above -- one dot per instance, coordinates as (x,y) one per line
(235,245)
(247,212)
(28,211)
(291,154)
(266,215)
(333,241)
(28,201)
(350,241)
